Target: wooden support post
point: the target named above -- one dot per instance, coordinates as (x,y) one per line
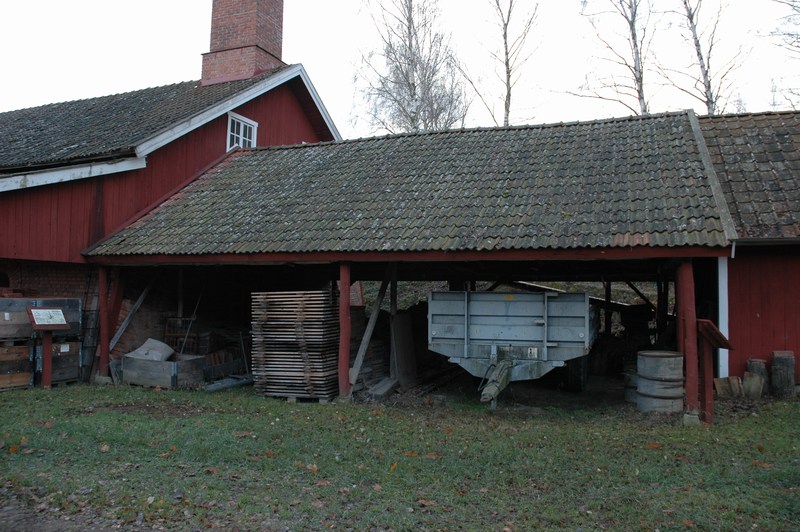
(607,308)
(104,322)
(344,329)
(47,359)
(392,316)
(687,322)
(662,312)
(706,382)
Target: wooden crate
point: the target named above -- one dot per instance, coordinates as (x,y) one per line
(180,371)
(16,370)
(66,361)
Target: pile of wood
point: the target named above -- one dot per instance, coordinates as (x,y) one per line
(295,344)
(760,380)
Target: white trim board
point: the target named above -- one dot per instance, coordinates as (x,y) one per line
(723,369)
(69,173)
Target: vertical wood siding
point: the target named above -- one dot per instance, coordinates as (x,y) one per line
(764,295)
(57,222)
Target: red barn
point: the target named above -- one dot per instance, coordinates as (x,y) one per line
(757,160)
(72,173)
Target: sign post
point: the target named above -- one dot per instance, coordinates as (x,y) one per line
(47,320)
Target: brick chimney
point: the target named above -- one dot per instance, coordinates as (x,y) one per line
(246,39)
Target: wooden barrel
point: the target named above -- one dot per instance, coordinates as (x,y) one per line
(659,382)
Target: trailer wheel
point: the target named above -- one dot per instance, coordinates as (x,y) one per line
(577,374)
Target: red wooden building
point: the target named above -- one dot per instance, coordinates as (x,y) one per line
(757,160)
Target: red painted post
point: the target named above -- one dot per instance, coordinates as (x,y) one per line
(344,329)
(707,382)
(47,359)
(687,317)
(105,335)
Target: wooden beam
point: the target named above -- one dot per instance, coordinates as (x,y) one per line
(344,329)
(373,318)
(331,257)
(687,319)
(104,319)
(641,295)
(129,317)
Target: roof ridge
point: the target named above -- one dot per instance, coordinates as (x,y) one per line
(480,129)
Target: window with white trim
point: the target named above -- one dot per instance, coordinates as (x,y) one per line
(241,131)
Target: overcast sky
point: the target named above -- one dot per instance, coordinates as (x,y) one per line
(58,50)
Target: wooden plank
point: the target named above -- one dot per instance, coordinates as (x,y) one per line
(15,380)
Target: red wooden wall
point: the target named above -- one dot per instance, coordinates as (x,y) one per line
(764,305)
(57,222)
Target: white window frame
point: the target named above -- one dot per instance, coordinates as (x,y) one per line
(238,127)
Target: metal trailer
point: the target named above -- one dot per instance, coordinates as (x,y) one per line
(504,337)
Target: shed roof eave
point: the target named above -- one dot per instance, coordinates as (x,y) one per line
(581,254)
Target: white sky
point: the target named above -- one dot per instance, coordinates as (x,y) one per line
(58,50)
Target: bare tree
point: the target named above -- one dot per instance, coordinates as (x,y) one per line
(627,89)
(789,34)
(706,84)
(789,31)
(510,57)
(414,81)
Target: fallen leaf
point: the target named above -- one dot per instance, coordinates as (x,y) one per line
(173,448)
(322,483)
(392,468)
(653,445)
(212,470)
(760,448)
(313,468)
(758,463)
(317,503)
(270,454)
(48,425)
(376,487)
(448,430)
(104,448)
(431,456)
(151,500)
(422,503)
(344,491)
(410,453)
(164,455)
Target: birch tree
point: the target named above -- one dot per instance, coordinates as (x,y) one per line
(701,80)
(512,54)
(788,34)
(625,82)
(413,82)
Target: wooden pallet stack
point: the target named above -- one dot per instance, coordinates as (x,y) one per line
(295,344)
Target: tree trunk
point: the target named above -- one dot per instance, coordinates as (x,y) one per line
(783,374)
(759,367)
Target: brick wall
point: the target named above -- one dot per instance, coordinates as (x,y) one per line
(46,279)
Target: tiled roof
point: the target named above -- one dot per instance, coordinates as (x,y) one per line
(613,183)
(757,160)
(96,128)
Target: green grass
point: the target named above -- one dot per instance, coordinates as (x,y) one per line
(183,460)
